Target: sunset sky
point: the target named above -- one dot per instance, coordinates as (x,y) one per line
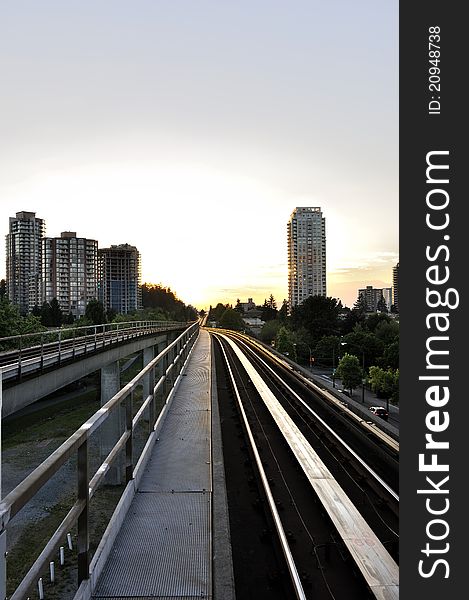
(192,129)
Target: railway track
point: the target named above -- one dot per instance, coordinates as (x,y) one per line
(309,482)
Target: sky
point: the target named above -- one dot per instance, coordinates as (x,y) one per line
(192,129)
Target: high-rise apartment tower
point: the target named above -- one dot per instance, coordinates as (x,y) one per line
(24,260)
(395,285)
(119,278)
(69,272)
(306,254)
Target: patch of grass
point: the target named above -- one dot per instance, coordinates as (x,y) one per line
(31,542)
(56,421)
(36,535)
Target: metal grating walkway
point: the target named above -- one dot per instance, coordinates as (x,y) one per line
(163,549)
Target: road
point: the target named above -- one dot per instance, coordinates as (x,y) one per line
(370,398)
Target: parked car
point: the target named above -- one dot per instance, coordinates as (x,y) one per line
(379,411)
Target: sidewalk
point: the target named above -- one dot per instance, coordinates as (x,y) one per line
(322,376)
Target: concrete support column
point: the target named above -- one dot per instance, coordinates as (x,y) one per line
(113,428)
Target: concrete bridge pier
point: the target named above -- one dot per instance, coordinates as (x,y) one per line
(113,428)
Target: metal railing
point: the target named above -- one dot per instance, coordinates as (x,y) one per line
(158,377)
(36,351)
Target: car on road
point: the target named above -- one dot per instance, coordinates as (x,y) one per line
(379,411)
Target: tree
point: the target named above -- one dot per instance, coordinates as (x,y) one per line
(361,341)
(69,319)
(56,316)
(46,315)
(283,312)
(284,342)
(327,349)
(350,372)
(387,332)
(155,296)
(10,318)
(269,309)
(239,306)
(318,315)
(95,312)
(360,304)
(3,289)
(270,330)
(30,324)
(384,383)
(391,356)
(231,319)
(217,312)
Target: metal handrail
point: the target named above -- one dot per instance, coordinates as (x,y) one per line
(111,326)
(174,355)
(95,338)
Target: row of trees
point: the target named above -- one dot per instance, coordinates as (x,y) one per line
(159,303)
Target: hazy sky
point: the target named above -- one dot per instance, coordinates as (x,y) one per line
(193,128)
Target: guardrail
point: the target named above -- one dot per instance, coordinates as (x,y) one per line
(159,377)
(53,347)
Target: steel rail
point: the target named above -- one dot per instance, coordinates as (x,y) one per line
(374,562)
(326,395)
(344,444)
(296,581)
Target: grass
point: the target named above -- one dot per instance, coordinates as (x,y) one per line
(58,421)
(55,421)
(36,535)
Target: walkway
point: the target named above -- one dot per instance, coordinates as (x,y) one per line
(163,549)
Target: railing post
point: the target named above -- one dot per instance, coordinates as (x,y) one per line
(60,345)
(129,469)
(152,405)
(42,352)
(73,348)
(83,542)
(104,334)
(166,384)
(95,337)
(19,358)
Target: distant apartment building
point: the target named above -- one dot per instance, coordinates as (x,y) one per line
(387,295)
(306,254)
(375,296)
(24,260)
(69,272)
(395,283)
(119,278)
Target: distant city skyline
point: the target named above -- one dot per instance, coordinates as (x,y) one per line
(192,130)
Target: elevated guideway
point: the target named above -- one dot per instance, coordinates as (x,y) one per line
(33,366)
